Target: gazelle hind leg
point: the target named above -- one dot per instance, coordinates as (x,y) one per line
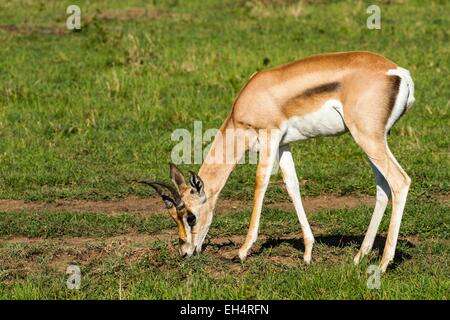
(399,182)
(382,199)
(269,143)
(368,118)
(289,174)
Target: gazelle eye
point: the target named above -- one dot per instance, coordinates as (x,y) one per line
(191,219)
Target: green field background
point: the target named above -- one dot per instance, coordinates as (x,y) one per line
(84,114)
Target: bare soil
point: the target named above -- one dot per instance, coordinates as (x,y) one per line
(130,14)
(58,253)
(27,29)
(154,205)
(285,250)
(105,15)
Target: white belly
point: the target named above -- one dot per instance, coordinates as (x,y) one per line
(326,121)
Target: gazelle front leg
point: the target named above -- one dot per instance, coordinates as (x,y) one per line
(289,174)
(269,143)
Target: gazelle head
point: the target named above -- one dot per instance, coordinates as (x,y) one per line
(183,204)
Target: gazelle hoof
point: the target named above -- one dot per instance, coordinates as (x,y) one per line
(357,258)
(307,259)
(242,255)
(384,265)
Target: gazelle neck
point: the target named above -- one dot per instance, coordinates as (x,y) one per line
(215,170)
(219,162)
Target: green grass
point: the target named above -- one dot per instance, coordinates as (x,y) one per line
(427,219)
(51,225)
(260,280)
(83,114)
(149,267)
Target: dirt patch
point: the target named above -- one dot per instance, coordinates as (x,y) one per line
(129,14)
(131,204)
(154,205)
(27,29)
(137,238)
(40,254)
(327,202)
(105,15)
(444,198)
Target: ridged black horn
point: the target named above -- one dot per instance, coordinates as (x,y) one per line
(177,202)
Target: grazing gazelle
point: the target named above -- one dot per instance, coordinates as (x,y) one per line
(329,94)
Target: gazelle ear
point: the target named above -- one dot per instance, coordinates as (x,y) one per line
(196,183)
(177,177)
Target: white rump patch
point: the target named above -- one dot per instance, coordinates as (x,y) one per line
(405,96)
(327,121)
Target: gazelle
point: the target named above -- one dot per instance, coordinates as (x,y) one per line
(329,94)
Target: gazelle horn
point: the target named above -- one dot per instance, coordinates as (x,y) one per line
(176,201)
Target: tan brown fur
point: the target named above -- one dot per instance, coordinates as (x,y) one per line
(359,82)
(269,90)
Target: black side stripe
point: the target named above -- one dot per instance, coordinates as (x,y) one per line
(324,88)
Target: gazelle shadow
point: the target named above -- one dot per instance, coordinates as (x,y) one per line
(342,241)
